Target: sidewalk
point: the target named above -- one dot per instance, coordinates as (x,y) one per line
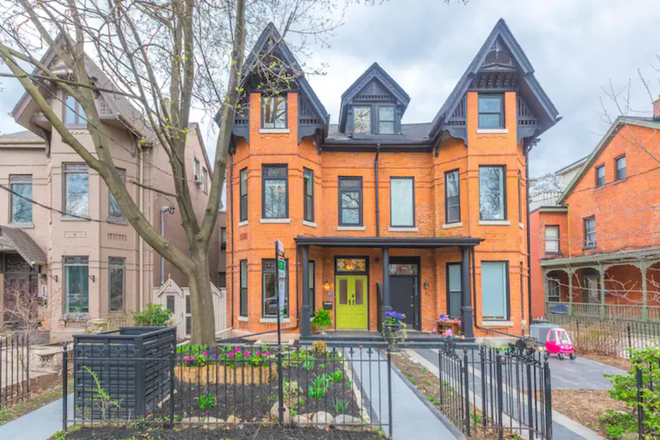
(411,417)
(37,425)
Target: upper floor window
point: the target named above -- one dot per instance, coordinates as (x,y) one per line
(362,120)
(275,196)
(243,215)
(492,193)
(452,197)
(350,201)
(491,111)
(76,190)
(386,123)
(402,201)
(552,239)
(21,207)
(308,193)
(590,232)
(620,167)
(244,288)
(114,211)
(196,169)
(273,111)
(73,112)
(600,176)
(270,286)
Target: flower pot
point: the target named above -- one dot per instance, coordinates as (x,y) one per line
(221,374)
(390,330)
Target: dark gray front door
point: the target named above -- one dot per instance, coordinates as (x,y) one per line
(402,293)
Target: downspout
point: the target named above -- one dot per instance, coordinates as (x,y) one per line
(140,289)
(231,230)
(568,227)
(529,233)
(377,204)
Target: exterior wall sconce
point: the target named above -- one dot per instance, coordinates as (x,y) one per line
(426,284)
(92,277)
(326,287)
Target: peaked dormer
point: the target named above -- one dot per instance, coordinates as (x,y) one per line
(373,106)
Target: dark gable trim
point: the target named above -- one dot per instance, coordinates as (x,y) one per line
(386,242)
(353,147)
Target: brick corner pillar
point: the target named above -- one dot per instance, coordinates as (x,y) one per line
(306,329)
(387,303)
(466,301)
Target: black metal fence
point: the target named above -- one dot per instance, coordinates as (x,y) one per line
(647,386)
(15,354)
(488,391)
(227,385)
(608,337)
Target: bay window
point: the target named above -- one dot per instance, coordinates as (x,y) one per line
(402,201)
(492,193)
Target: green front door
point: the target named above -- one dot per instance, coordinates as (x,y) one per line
(352,309)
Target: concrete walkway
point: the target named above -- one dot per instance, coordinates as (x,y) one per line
(37,425)
(411,417)
(580,374)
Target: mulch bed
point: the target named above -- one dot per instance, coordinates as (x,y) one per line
(623,364)
(251,433)
(585,406)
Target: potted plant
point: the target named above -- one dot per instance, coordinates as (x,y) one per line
(322,320)
(394,328)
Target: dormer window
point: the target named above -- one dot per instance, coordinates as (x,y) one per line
(273,111)
(362,120)
(73,112)
(491,111)
(386,120)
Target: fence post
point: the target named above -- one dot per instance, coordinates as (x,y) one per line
(548,396)
(389,389)
(466,372)
(500,395)
(440,378)
(1,387)
(484,390)
(640,410)
(629,336)
(65,386)
(530,400)
(27,370)
(172,361)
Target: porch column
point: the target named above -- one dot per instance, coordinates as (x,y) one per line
(306,315)
(387,304)
(570,273)
(466,304)
(601,271)
(643,268)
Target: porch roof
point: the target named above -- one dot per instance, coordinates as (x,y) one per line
(619,257)
(14,239)
(387,242)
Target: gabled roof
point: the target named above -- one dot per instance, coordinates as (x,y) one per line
(604,142)
(530,89)
(379,74)
(24,136)
(270,33)
(18,240)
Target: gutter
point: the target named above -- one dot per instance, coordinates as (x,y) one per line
(231,231)
(377,204)
(529,236)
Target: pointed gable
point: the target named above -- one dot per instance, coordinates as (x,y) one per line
(500,65)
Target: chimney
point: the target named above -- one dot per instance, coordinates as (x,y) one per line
(656,109)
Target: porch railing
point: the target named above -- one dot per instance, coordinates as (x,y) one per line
(620,311)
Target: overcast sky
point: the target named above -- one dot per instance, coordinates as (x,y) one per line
(576,47)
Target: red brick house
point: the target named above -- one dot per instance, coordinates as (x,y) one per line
(376,214)
(596,253)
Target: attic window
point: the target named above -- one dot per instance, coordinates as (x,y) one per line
(274,111)
(362,120)
(386,120)
(491,111)
(104,107)
(73,112)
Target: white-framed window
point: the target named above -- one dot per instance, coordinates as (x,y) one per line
(590,232)
(620,167)
(553,290)
(492,193)
(551,239)
(76,190)
(21,207)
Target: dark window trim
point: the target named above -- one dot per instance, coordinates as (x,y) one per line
(366,265)
(504,191)
(12,196)
(286,110)
(502,114)
(458,180)
(123,287)
(596,169)
(447,290)
(585,242)
(393,107)
(306,196)
(371,119)
(263,187)
(616,168)
(223,238)
(242,312)
(414,219)
(263,297)
(361,207)
(243,198)
(221,276)
(549,281)
(65,303)
(508,291)
(545,239)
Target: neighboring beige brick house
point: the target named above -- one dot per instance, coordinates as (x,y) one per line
(88,269)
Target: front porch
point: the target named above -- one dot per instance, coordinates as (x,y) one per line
(618,285)
(399,283)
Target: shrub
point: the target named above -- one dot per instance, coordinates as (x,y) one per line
(153,316)
(322,320)
(617,424)
(336,376)
(207,401)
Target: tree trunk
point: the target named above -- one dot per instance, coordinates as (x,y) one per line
(201,303)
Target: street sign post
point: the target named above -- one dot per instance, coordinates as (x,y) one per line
(281,292)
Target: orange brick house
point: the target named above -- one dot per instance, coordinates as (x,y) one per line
(596,253)
(377,215)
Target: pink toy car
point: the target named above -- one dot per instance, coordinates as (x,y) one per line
(558,342)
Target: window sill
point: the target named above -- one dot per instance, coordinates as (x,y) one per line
(243,318)
(492,131)
(243,223)
(274,131)
(554,253)
(26,225)
(275,220)
(403,229)
(351,228)
(274,320)
(452,225)
(310,224)
(494,223)
(116,221)
(586,248)
(66,218)
(497,323)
